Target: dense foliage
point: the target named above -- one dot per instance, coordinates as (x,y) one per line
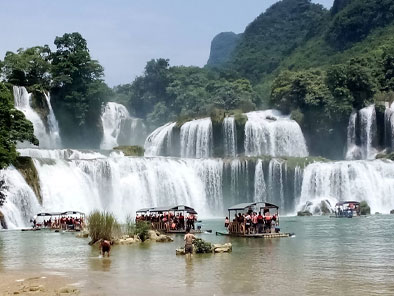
(102,225)
(74,80)
(13,127)
(166,93)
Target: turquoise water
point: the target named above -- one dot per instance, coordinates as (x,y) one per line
(326,257)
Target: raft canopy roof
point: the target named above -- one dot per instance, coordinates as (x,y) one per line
(45,214)
(245,205)
(178,208)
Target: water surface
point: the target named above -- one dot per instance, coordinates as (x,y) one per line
(326,257)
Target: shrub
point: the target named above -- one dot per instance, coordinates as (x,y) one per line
(102,225)
(142,230)
(364,208)
(201,246)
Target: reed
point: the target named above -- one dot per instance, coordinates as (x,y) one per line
(102,225)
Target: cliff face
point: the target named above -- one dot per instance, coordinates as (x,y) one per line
(222,47)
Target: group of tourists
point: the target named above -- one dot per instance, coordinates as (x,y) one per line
(170,220)
(61,223)
(253,222)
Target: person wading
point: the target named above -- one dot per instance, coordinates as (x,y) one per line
(105,247)
(189,238)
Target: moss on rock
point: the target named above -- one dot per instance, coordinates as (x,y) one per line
(131,150)
(29,172)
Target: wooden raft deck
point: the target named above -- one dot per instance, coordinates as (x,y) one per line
(256,235)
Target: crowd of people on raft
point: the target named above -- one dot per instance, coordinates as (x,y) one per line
(170,220)
(253,222)
(61,223)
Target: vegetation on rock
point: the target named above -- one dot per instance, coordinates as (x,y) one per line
(102,225)
(131,150)
(29,172)
(365,208)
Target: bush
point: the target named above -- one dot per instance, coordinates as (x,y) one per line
(102,225)
(142,230)
(364,208)
(201,246)
(130,226)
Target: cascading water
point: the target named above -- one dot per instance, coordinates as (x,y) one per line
(389,127)
(120,128)
(48,136)
(270,133)
(260,187)
(59,153)
(366,149)
(159,142)
(229,137)
(21,203)
(371,181)
(196,138)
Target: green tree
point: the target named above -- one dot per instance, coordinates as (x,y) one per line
(13,128)
(28,67)
(78,91)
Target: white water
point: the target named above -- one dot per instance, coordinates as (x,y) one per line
(120,128)
(368,134)
(48,138)
(160,140)
(260,188)
(229,137)
(389,126)
(21,203)
(372,181)
(59,153)
(270,133)
(196,138)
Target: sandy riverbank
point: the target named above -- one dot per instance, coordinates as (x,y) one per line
(19,283)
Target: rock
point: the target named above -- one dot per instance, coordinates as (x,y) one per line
(392,212)
(226,248)
(304,213)
(34,288)
(67,290)
(180,251)
(83,234)
(153,235)
(164,239)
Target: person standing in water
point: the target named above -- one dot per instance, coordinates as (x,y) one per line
(105,247)
(189,238)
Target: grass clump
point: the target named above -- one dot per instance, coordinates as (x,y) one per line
(365,209)
(102,225)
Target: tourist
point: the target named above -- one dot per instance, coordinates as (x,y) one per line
(226,222)
(254,222)
(248,222)
(268,220)
(105,247)
(189,238)
(260,222)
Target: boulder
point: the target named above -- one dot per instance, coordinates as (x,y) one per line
(225,248)
(164,239)
(68,290)
(127,240)
(392,212)
(83,234)
(304,213)
(180,251)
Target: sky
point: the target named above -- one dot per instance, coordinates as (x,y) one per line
(124,34)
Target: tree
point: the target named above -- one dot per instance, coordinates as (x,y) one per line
(78,91)
(28,67)
(14,127)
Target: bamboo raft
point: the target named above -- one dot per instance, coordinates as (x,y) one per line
(256,235)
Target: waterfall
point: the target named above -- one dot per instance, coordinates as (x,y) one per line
(229,137)
(59,153)
(276,182)
(270,133)
(372,181)
(367,129)
(120,128)
(389,127)
(54,132)
(196,138)
(159,142)
(260,188)
(21,203)
(48,137)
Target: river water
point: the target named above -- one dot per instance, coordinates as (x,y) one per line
(326,257)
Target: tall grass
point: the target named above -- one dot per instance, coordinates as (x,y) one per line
(102,225)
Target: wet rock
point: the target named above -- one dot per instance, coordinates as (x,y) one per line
(304,213)
(180,251)
(225,248)
(164,239)
(392,212)
(83,234)
(68,290)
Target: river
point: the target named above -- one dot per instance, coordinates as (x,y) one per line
(326,257)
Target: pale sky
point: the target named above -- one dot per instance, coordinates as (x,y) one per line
(124,34)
